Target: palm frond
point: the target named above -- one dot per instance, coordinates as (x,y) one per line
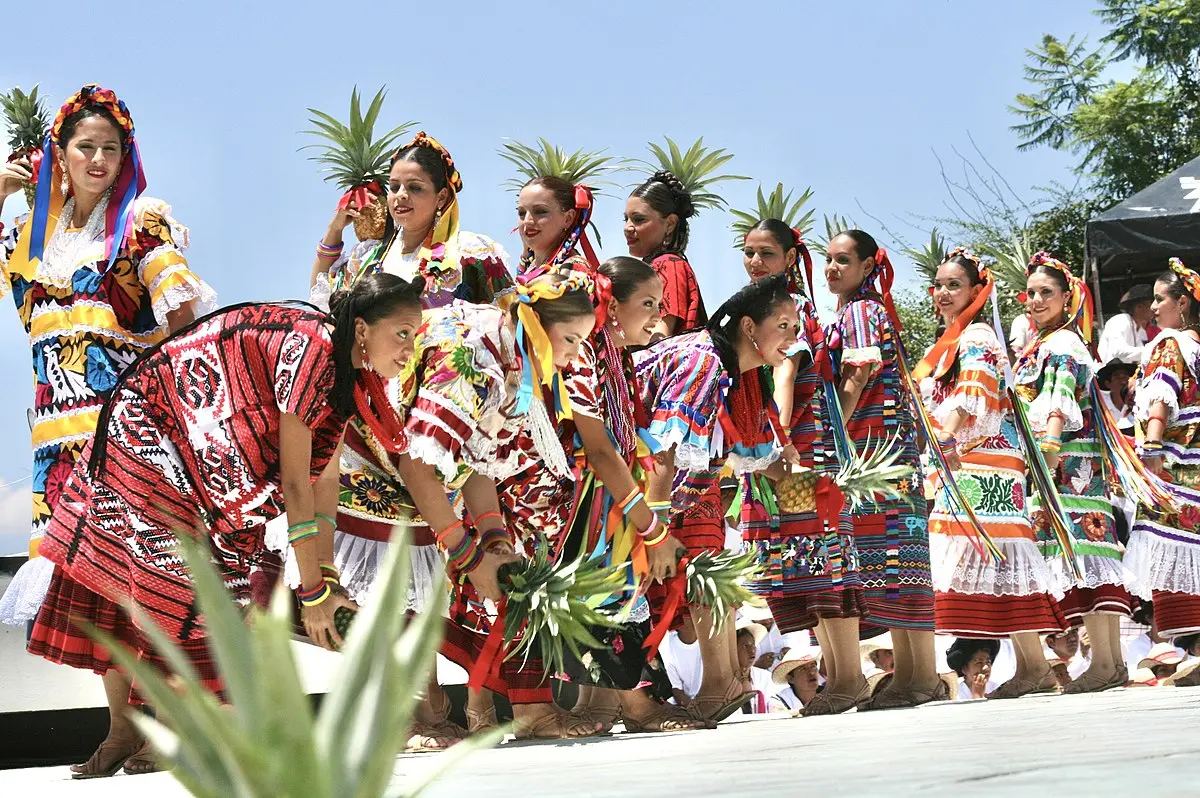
(776,205)
(695,169)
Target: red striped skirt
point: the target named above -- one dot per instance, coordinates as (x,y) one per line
(990,617)
(1176,613)
(1081,601)
(702,526)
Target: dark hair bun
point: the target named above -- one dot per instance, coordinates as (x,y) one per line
(338,300)
(683,200)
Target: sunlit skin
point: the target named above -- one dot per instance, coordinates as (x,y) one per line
(845,272)
(541,221)
(762,256)
(976,673)
(637,317)
(952,291)
(388,343)
(1046,301)
(412,201)
(92,159)
(768,342)
(646,230)
(566,338)
(1169,313)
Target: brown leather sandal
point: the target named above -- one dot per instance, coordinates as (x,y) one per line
(1092,684)
(837,703)
(557,725)
(96,767)
(667,718)
(1016,688)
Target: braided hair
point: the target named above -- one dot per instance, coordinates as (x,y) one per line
(757,301)
(666,194)
(372,298)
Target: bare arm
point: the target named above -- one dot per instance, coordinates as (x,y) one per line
(332,238)
(325,496)
(180,317)
(854,381)
(664,558)
(610,468)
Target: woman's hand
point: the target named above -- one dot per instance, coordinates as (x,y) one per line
(485,578)
(318,621)
(664,558)
(790,455)
(344,217)
(1155,465)
(13,176)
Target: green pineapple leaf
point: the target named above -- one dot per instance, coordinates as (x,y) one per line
(694,169)
(351,155)
(776,205)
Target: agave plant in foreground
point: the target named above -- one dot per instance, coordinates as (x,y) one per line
(775,205)
(694,169)
(268,742)
(27,119)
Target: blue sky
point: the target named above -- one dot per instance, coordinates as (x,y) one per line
(852,99)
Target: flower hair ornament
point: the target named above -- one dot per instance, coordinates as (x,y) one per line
(51,196)
(944,352)
(537,363)
(1190,280)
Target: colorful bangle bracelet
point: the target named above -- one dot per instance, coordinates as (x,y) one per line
(327,519)
(317,595)
(441,536)
(948,445)
(1152,448)
(460,548)
(489,514)
(327,251)
(298,537)
(493,536)
(654,525)
(656,542)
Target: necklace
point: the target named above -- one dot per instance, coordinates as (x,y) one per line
(68,249)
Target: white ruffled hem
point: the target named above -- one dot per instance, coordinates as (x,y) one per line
(1150,392)
(750,465)
(198,292)
(25,594)
(1046,404)
(359,560)
(958,566)
(427,450)
(1097,571)
(1162,564)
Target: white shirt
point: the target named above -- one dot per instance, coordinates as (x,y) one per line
(733,537)
(773,643)
(684,667)
(1121,339)
(1021,333)
(1123,415)
(765,688)
(785,700)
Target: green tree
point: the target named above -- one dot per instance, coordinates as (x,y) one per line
(918,319)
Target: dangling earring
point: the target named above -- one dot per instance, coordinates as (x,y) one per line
(437,218)
(66,181)
(755,343)
(618,329)
(366,359)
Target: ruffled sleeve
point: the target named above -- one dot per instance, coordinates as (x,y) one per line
(976,392)
(304,371)
(157,248)
(583,383)
(8,245)
(1066,368)
(341,274)
(1162,381)
(862,325)
(682,384)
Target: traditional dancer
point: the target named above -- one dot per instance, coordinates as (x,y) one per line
(809,573)
(475,418)
(709,402)
(892,535)
(656,230)
(1164,547)
(98,276)
(1052,379)
(963,377)
(214,432)
(552,218)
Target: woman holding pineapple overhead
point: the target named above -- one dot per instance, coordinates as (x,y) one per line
(809,560)
(891,534)
(214,432)
(963,377)
(475,418)
(1053,379)
(98,276)
(708,403)
(656,230)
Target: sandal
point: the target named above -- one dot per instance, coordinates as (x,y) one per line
(911,698)
(1092,684)
(144,761)
(91,769)
(718,709)
(558,725)
(478,721)
(1016,688)
(837,703)
(425,738)
(667,718)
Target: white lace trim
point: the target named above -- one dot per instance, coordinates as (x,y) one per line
(359,560)
(861,356)
(688,456)
(427,450)
(958,566)
(1048,403)
(1188,345)
(981,423)
(321,291)
(1097,571)
(748,465)
(1063,342)
(196,291)
(25,594)
(1150,391)
(546,439)
(1160,563)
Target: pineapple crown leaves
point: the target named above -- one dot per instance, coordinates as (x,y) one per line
(694,169)
(586,167)
(715,580)
(776,205)
(928,258)
(27,118)
(876,472)
(351,154)
(1010,260)
(834,225)
(268,741)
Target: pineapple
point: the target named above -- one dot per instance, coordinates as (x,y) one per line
(859,480)
(547,160)
(357,161)
(27,119)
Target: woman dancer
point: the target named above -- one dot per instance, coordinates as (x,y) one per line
(218,429)
(98,276)
(809,574)
(656,230)
(1052,379)
(963,375)
(1164,547)
(708,402)
(892,535)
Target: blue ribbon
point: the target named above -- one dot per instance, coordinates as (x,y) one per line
(41,202)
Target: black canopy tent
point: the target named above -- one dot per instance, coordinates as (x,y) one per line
(1131,242)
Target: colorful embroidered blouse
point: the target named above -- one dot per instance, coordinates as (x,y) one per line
(1168,375)
(681,292)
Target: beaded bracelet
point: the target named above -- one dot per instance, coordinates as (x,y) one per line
(328,252)
(327,519)
(312,598)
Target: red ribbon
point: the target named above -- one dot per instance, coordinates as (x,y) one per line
(830,501)
(377,412)
(676,592)
(887,276)
(487,666)
(34,157)
(603,296)
(361,196)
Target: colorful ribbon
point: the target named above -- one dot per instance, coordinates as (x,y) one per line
(1190,280)
(487,666)
(537,363)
